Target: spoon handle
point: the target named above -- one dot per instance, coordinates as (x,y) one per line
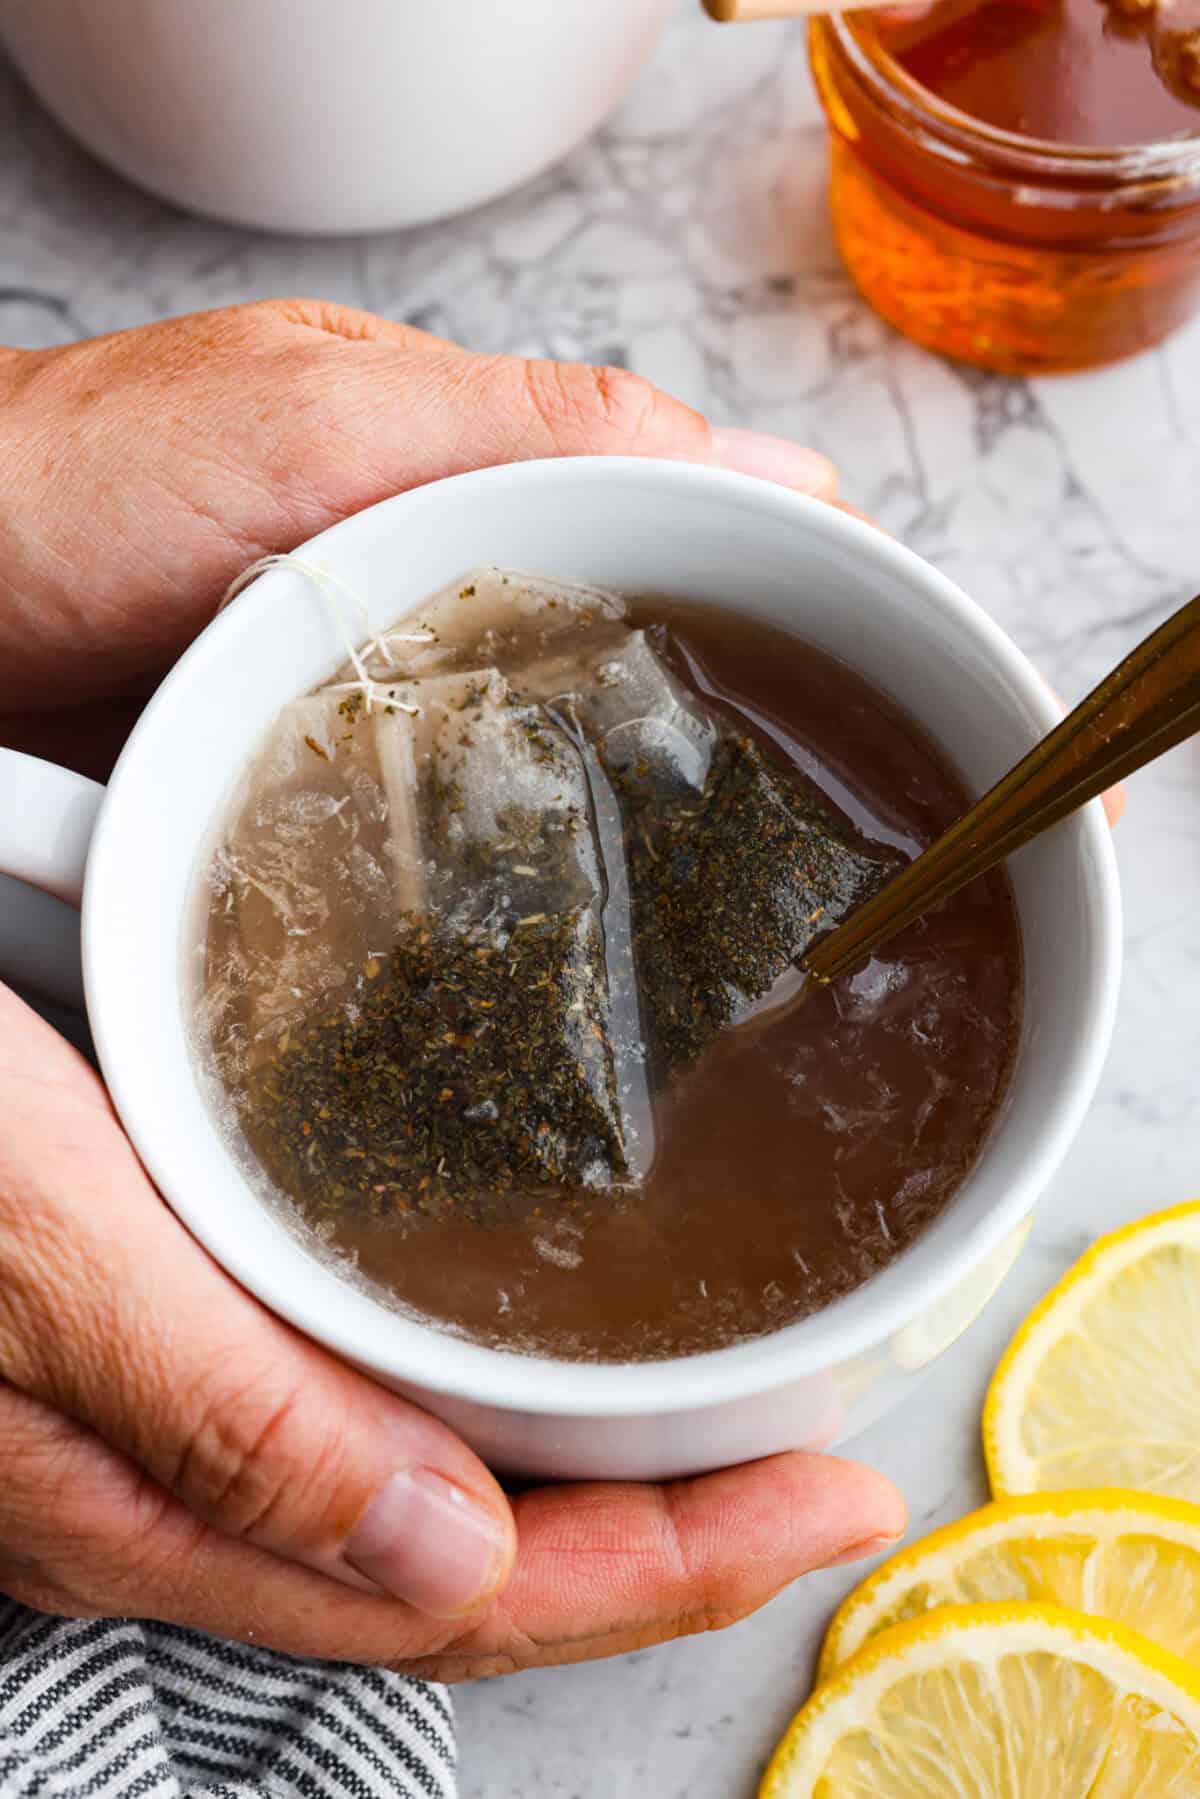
(1149,703)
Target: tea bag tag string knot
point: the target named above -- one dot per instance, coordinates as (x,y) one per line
(336,592)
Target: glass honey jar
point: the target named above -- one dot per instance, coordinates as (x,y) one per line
(1015,252)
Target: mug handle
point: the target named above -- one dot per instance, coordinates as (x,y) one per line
(47,816)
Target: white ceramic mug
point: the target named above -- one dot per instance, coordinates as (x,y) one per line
(301,115)
(634,525)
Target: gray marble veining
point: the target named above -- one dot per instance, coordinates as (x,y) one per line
(690,242)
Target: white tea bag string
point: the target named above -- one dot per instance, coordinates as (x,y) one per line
(335,590)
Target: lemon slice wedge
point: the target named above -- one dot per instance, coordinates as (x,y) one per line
(998,1702)
(1131,1557)
(1100,1387)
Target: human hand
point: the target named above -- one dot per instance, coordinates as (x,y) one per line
(171,1449)
(144,471)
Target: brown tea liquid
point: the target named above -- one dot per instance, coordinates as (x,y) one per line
(799,1160)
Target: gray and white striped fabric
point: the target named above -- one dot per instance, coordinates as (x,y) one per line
(116,1709)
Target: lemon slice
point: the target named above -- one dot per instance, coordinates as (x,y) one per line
(1100,1387)
(1127,1556)
(998,1702)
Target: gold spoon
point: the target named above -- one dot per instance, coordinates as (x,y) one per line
(1149,703)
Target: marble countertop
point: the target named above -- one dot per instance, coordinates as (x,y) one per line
(690,242)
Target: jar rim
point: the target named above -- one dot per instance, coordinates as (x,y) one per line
(958,136)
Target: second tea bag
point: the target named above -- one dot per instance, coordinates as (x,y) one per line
(734,861)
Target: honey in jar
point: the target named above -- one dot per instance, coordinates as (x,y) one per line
(1016,183)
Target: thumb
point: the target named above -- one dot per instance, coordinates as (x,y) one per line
(418,408)
(111,1314)
(319,412)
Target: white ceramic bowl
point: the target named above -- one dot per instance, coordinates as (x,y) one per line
(301,115)
(633,525)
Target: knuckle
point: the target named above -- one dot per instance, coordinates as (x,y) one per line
(329,316)
(707,1590)
(575,400)
(628,403)
(252,321)
(258,330)
(712,1593)
(250,1457)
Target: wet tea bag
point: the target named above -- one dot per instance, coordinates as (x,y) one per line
(730,887)
(434,953)
(734,862)
(505,812)
(494,619)
(630,705)
(303,879)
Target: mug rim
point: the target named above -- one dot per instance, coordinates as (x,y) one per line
(487,1376)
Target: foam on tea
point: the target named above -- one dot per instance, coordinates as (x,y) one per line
(482,906)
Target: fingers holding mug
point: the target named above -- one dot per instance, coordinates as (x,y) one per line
(112,1315)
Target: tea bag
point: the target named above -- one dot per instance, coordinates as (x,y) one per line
(734,862)
(431,944)
(629,704)
(493,619)
(304,880)
(505,812)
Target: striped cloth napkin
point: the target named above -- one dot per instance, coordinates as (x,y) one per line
(116,1709)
